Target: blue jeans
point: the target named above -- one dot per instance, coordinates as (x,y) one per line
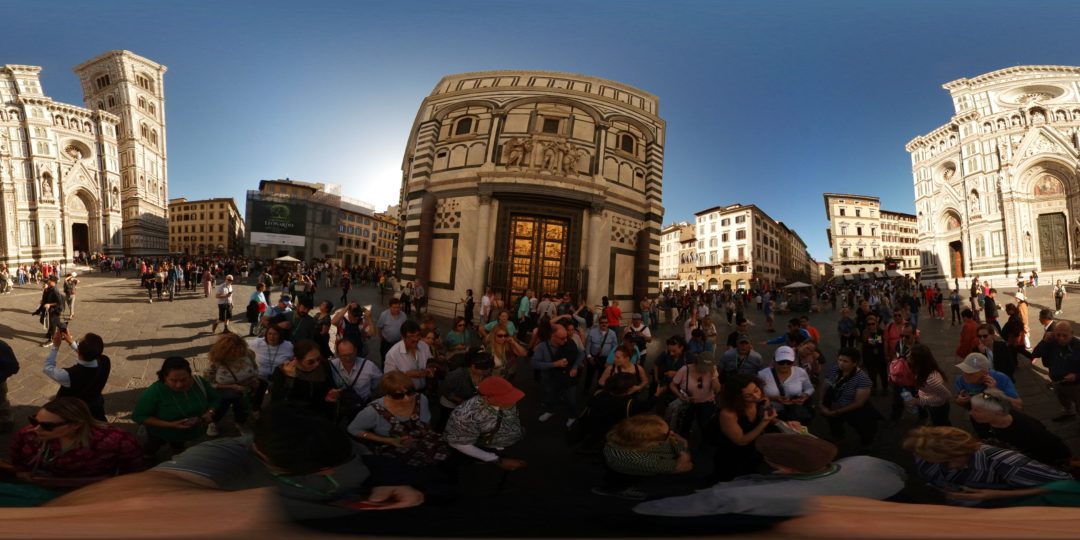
(556,389)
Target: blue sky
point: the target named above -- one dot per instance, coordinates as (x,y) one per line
(767,102)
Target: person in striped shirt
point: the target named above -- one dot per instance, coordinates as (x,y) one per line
(971,473)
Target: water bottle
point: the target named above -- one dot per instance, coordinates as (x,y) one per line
(906,396)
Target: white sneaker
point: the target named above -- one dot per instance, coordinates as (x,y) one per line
(212,430)
(570,423)
(545,417)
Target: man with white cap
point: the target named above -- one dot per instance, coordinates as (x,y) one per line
(1022,309)
(223,294)
(976,375)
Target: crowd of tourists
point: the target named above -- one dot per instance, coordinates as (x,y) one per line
(302,401)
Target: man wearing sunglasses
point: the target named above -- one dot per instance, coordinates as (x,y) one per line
(559,360)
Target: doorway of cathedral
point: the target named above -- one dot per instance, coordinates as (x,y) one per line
(1053,242)
(80,238)
(956,258)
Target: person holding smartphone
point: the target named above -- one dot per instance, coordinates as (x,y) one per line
(175,408)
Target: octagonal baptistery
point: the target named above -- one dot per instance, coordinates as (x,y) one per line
(519,180)
(997,190)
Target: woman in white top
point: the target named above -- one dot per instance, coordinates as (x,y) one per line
(788,386)
(271,351)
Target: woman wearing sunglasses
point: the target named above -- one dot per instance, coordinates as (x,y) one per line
(65,447)
(397,425)
(505,350)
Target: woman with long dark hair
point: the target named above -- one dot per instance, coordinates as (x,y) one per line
(933,393)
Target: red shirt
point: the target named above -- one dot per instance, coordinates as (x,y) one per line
(967,338)
(111,451)
(614,315)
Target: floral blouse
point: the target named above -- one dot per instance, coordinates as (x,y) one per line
(111,451)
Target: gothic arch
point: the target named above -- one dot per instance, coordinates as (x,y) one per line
(950,220)
(1053,165)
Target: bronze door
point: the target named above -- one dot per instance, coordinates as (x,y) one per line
(956,259)
(1053,242)
(538,252)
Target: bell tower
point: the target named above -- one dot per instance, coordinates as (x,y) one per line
(132,87)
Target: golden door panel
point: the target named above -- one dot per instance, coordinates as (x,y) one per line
(538,253)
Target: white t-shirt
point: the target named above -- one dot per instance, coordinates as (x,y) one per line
(797,384)
(224,288)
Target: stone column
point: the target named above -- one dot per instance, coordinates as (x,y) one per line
(483,230)
(597,234)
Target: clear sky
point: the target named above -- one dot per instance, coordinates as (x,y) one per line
(767,102)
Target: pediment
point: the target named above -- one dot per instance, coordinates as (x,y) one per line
(79,174)
(1044,140)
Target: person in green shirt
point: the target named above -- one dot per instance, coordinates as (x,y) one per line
(175,409)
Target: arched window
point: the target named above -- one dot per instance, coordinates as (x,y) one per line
(153,109)
(153,137)
(144,131)
(980,246)
(100,105)
(142,102)
(627,143)
(112,102)
(464,126)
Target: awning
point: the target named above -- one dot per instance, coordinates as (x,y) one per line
(879,274)
(893,273)
(849,277)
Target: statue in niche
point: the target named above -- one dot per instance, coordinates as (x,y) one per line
(516,149)
(973,203)
(1038,118)
(1027,243)
(949,173)
(46,188)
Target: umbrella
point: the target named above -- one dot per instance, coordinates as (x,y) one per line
(288,259)
(797,285)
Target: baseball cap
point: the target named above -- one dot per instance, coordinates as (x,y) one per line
(228,277)
(54,278)
(500,392)
(73,274)
(974,363)
(743,338)
(784,354)
(1020,297)
(286,299)
(635,316)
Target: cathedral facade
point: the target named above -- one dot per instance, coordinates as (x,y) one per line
(532,180)
(84,179)
(997,188)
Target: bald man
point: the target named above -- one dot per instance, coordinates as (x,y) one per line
(1060,353)
(559,361)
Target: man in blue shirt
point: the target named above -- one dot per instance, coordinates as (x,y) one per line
(977,375)
(599,342)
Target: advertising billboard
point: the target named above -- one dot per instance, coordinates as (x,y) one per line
(277,223)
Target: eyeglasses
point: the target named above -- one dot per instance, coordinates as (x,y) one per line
(401,395)
(45,426)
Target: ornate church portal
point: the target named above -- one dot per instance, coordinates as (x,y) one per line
(1053,242)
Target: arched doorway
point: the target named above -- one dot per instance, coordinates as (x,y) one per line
(713,284)
(956,258)
(727,284)
(83,224)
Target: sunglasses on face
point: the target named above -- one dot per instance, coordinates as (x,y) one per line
(786,362)
(45,426)
(401,395)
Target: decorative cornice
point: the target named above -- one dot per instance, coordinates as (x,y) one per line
(993,76)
